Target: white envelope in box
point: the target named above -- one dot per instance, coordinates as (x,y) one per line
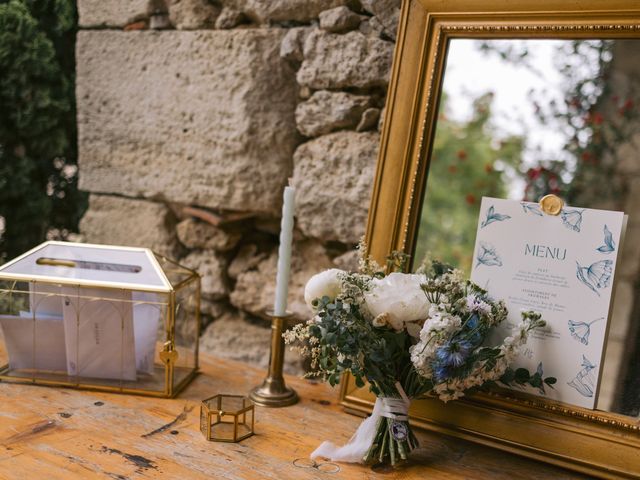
(45,299)
(99,335)
(146,318)
(35,344)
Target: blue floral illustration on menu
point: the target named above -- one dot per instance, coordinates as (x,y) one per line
(572,219)
(595,276)
(609,244)
(488,256)
(584,381)
(493,216)
(581,330)
(531,208)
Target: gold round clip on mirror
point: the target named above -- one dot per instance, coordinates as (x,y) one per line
(551,204)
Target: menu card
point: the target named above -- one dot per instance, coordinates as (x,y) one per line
(562,266)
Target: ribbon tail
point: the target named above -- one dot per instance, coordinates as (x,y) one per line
(358,446)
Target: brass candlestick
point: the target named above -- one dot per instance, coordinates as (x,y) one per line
(274,392)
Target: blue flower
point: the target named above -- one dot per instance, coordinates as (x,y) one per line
(442,372)
(473,321)
(453,353)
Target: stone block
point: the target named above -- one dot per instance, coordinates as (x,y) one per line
(247,259)
(212,309)
(339,20)
(333,61)
(270,11)
(230,18)
(387,12)
(193,14)
(334,175)
(211,267)
(293,43)
(124,221)
(327,111)
(348,261)
(369,120)
(193,233)
(255,288)
(111,13)
(235,337)
(199,117)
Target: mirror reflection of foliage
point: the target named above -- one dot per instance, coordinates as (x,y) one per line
(592,117)
(467,163)
(38,181)
(596,119)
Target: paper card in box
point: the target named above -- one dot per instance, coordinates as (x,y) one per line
(99,335)
(34,343)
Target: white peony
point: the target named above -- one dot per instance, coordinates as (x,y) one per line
(323,284)
(400,296)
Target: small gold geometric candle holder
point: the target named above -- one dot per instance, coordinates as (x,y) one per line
(227,418)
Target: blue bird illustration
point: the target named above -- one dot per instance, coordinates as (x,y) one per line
(531,208)
(488,256)
(581,330)
(584,382)
(492,216)
(609,245)
(572,219)
(595,276)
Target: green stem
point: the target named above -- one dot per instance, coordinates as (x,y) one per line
(402,451)
(376,444)
(383,448)
(392,450)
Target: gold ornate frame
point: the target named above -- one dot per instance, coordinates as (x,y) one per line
(594,442)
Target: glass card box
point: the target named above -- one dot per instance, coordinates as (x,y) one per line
(117,319)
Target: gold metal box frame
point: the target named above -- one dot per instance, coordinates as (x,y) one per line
(594,442)
(242,417)
(175,364)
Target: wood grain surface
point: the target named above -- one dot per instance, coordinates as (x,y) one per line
(55,433)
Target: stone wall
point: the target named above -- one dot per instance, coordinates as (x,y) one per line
(193,115)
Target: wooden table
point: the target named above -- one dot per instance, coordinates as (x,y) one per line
(51,433)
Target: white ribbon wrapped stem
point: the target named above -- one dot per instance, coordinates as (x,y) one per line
(358,446)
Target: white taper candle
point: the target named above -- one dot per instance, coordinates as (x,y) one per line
(284,252)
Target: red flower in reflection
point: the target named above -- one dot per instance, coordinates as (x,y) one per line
(488,168)
(462,155)
(586,156)
(626,106)
(453,169)
(534,173)
(598,118)
(470,198)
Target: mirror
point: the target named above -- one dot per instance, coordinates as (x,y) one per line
(541,116)
(515,100)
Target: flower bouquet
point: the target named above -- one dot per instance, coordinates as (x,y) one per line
(407,335)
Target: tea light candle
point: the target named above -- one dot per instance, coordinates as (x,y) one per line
(284,252)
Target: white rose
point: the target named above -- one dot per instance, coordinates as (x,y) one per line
(399,295)
(323,284)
